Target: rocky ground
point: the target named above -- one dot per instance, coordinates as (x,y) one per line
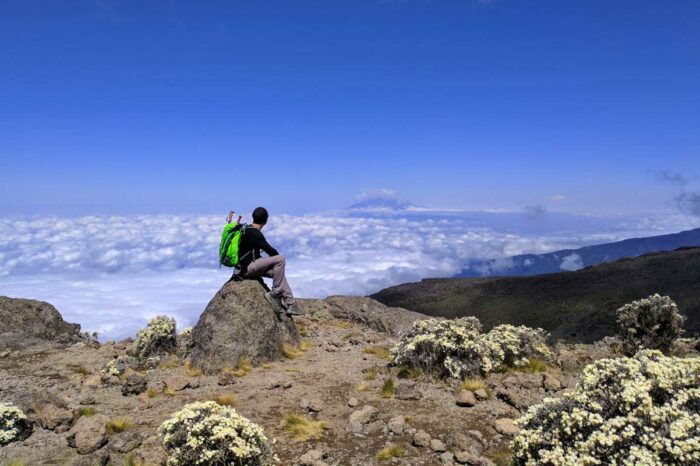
(338,375)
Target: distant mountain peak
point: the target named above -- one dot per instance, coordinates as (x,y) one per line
(383,203)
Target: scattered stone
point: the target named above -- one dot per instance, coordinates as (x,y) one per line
(134,384)
(180,382)
(92,381)
(407,391)
(88,434)
(447,458)
(51,417)
(226,378)
(25,321)
(313,458)
(466,398)
(437,446)
(314,406)
(285,384)
(101,458)
(421,439)
(86,399)
(464,457)
(481,394)
(365,415)
(353,402)
(397,425)
(460,441)
(551,383)
(124,442)
(506,427)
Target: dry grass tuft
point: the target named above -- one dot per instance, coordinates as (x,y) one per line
(371,373)
(86,411)
(388,388)
(152,392)
(169,362)
(378,351)
(363,387)
(392,451)
(533,366)
(293,352)
(117,425)
(192,371)
(302,429)
(502,457)
(225,399)
(167,391)
(82,370)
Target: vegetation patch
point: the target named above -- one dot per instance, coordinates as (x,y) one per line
(158,337)
(652,323)
(225,399)
(208,434)
(117,425)
(388,388)
(389,452)
(86,411)
(302,428)
(378,351)
(371,373)
(639,410)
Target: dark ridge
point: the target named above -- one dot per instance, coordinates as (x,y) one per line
(575,306)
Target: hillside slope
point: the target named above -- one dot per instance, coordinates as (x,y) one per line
(578,306)
(573,259)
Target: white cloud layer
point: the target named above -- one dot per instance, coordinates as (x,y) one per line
(112,273)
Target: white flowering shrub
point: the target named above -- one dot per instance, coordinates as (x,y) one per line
(511,346)
(457,348)
(158,337)
(14,425)
(208,434)
(643,410)
(653,323)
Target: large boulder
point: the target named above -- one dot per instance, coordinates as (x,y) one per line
(366,311)
(239,323)
(26,321)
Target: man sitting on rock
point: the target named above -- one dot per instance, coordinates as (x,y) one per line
(253,266)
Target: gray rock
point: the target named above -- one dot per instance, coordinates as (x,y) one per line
(314,406)
(100,458)
(408,391)
(180,382)
(421,439)
(124,442)
(464,457)
(313,458)
(461,441)
(481,394)
(506,426)
(26,321)
(437,446)
(226,378)
(397,425)
(352,402)
(134,384)
(239,323)
(465,398)
(368,312)
(52,417)
(86,399)
(88,434)
(447,458)
(551,383)
(365,415)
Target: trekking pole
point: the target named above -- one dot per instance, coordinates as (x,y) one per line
(230,216)
(238,222)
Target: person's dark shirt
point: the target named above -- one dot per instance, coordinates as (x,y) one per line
(252,242)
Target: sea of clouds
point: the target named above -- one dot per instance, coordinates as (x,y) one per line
(112,273)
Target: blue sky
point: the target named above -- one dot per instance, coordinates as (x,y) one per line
(184,106)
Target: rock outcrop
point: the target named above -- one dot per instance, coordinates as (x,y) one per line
(366,311)
(239,323)
(26,321)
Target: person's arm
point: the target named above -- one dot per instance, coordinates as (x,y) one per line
(260,242)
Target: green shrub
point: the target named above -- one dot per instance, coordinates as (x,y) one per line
(457,348)
(643,410)
(157,338)
(652,323)
(208,434)
(14,425)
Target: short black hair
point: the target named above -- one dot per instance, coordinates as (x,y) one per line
(260,215)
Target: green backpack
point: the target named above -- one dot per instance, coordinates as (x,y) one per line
(230,241)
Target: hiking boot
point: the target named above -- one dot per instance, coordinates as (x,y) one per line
(295,310)
(275,302)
